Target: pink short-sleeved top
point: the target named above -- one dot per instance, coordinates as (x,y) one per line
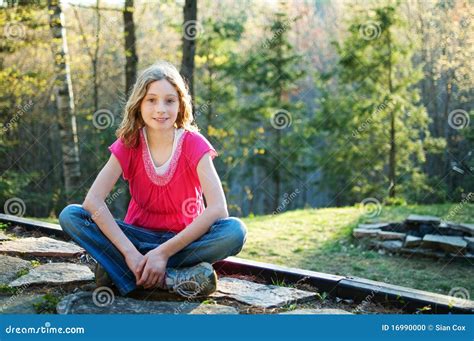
(167,202)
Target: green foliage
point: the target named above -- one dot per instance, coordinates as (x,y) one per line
(396,201)
(273,119)
(22,272)
(5,289)
(372,85)
(47,305)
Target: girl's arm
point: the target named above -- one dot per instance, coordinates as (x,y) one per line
(94,203)
(216,209)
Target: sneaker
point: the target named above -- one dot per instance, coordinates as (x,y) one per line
(102,278)
(198,280)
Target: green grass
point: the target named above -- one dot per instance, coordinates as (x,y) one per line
(321,240)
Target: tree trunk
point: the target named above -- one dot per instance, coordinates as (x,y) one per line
(393,152)
(448,152)
(65,104)
(189,43)
(96,58)
(131,58)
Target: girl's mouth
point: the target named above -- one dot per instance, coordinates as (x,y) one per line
(160,119)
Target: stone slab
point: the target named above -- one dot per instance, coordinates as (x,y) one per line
(364,233)
(10,266)
(391,245)
(388,235)
(260,295)
(423,219)
(105,302)
(470,243)
(55,273)
(43,246)
(412,241)
(447,243)
(19,304)
(373,226)
(464,227)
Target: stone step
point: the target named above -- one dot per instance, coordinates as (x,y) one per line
(373,226)
(260,295)
(470,243)
(412,241)
(55,273)
(422,219)
(19,304)
(43,246)
(388,235)
(447,243)
(10,266)
(104,301)
(364,233)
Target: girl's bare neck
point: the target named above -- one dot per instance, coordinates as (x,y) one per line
(160,139)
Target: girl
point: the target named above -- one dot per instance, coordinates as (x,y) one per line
(168,238)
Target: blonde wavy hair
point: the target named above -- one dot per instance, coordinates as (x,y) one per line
(132,120)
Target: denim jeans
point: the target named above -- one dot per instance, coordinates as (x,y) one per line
(225,237)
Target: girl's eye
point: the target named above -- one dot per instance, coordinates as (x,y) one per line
(151,100)
(171,101)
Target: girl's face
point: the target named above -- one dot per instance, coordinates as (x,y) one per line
(160,106)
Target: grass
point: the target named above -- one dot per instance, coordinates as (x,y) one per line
(321,240)
(47,304)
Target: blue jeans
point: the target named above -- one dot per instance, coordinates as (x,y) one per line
(225,238)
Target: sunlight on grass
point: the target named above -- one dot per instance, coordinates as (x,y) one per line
(321,240)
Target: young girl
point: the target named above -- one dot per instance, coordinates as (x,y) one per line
(168,238)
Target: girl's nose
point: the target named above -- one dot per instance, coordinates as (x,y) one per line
(160,106)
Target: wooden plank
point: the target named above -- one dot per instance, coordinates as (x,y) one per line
(30,224)
(360,289)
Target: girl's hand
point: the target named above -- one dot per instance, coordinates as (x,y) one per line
(154,269)
(133,261)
